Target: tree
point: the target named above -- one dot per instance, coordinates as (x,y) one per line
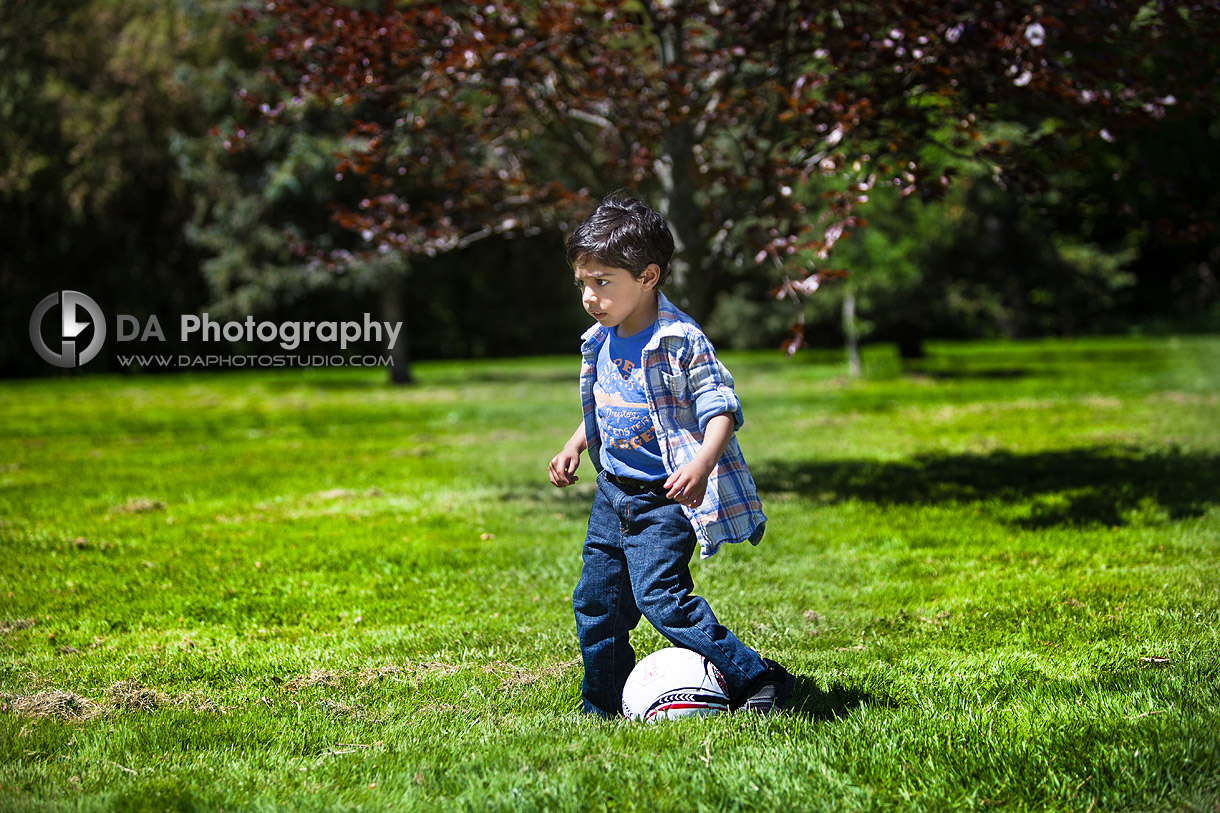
(977,262)
(265,205)
(759,128)
(89,193)
(423,165)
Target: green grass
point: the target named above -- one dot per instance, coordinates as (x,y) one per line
(309,590)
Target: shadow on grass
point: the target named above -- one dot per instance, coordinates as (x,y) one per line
(988,374)
(808,700)
(1104,485)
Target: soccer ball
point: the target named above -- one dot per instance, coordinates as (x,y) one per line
(672,683)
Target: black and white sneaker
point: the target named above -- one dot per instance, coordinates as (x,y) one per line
(770,690)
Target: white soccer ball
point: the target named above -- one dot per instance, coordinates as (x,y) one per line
(673,683)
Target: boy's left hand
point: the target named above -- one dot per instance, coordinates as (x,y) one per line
(688,485)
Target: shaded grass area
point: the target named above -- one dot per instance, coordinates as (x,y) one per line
(1108,485)
(995,576)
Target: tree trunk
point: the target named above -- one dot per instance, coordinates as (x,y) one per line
(392,310)
(689,273)
(690,276)
(852,331)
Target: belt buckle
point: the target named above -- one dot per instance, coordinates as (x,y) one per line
(622,481)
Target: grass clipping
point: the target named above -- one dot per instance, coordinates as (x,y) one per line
(123,696)
(55,703)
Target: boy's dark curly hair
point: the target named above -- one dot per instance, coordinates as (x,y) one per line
(623,233)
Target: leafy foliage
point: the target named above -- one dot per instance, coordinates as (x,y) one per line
(759,127)
(975,262)
(89,191)
(372,137)
(425,140)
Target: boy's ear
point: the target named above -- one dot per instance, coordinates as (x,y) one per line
(650,275)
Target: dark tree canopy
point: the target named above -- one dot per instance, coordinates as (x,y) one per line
(759,128)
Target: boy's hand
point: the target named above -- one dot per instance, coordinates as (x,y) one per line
(563,467)
(688,484)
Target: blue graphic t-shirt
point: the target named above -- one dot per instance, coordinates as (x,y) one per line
(629,441)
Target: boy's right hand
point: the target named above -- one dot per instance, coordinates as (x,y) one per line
(563,468)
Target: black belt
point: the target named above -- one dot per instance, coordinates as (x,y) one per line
(635,485)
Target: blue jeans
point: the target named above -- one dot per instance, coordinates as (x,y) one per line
(637,561)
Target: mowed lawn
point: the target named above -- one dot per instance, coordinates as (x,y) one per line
(996,574)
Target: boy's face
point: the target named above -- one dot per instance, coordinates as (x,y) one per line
(616,298)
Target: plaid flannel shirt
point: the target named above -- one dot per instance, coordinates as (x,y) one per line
(686,386)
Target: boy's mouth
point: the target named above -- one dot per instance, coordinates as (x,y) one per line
(597,314)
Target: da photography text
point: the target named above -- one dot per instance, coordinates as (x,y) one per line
(78,313)
(289,335)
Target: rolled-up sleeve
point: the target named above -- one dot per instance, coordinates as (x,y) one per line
(711,386)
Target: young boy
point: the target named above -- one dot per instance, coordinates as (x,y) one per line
(659,418)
